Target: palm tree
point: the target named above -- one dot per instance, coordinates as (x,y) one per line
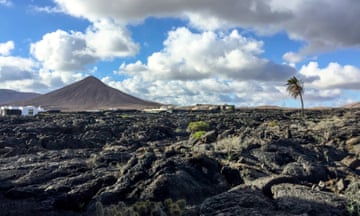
(295,88)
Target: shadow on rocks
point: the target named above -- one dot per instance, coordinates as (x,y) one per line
(248,201)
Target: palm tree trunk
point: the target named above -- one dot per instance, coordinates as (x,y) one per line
(302,105)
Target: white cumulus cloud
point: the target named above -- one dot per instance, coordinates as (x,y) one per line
(109,40)
(65,56)
(6,48)
(212,63)
(207,67)
(20,74)
(63,51)
(323,24)
(73,51)
(219,68)
(332,76)
(189,56)
(15,68)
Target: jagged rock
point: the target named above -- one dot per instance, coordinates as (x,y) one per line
(13,141)
(238,202)
(353,141)
(23,192)
(340,185)
(78,198)
(299,200)
(351,162)
(353,190)
(198,175)
(209,137)
(176,178)
(306,171)
(355,149)
(231,175)
(63,163)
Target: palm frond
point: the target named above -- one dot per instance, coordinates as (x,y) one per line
(294,87)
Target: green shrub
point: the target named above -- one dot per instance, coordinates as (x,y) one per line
(273,123)
(124,116)
(198,134)
(198,126)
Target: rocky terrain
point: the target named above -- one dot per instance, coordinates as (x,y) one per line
(247,162)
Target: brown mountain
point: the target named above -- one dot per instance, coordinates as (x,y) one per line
(352,105)
(88,94)
(9,96)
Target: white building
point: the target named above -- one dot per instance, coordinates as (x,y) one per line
(20,110)
(162,109)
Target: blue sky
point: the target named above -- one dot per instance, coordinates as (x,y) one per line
(186,52)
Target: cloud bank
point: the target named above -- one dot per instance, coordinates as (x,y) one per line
(194,56)
(209,60)
(333,23)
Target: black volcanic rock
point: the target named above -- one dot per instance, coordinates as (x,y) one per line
(84,163)
(88,94)
(147,177)
(10,96)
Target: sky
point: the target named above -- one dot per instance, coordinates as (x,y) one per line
(186,52)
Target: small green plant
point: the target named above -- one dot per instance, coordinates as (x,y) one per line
(178,130)
(198,134)
(198,126)
(273,123)
(124,116)
(231,146)
(231,156)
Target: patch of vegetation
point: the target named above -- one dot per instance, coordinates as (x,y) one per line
(231,156)
(230,145)
(198,134)
(273,123)
(124,116)
(178,130)
(198,126)
(143,208)
(353,207)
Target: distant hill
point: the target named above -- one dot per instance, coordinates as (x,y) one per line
(88,94)
(9,96)
(353,105)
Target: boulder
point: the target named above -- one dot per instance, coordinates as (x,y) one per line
(209,137)
(238,202)
(182,179)
(147,178)
(232,176)
(306,171)
(300,200)
(351,161)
